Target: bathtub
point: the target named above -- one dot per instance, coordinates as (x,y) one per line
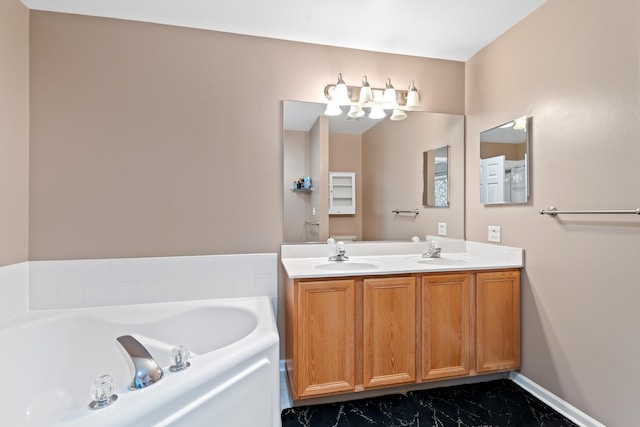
(48,360)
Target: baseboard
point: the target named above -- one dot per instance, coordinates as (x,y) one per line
(565,408)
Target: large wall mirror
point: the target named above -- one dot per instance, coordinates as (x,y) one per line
(504,163)
(387,158)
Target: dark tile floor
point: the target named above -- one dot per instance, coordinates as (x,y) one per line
(494,403)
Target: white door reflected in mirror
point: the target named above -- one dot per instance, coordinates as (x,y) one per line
(504,166)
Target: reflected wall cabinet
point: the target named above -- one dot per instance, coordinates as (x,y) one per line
(342,193)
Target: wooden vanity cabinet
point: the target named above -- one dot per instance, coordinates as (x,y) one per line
(357,333)
(324,334)
(497,321)
(446,325)
(389,337)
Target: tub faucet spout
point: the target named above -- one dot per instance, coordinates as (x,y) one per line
(146,369)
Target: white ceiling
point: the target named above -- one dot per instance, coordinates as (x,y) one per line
(445,29)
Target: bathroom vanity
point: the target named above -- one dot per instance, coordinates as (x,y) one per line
(395,318)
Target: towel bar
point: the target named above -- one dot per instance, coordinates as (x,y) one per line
(554,211)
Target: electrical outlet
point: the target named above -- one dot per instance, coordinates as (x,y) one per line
(494,233)
(442,228)
(313,211)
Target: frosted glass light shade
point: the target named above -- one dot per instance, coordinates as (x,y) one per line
(333,109)
(413,98)
(398,115)
(355,111)
(366,96)
(520,123)
(341,92)
(377,113)
(389,96)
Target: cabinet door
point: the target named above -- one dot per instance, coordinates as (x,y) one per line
(446,325)
(324,350)
(497,321)
(389,314)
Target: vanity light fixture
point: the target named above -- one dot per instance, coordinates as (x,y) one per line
(375,99)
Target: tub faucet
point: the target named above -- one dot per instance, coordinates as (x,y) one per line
(146,369)
(340,255)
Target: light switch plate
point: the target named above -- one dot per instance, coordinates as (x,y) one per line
(442,229)
(494,233)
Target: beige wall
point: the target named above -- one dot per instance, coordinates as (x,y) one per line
(153,140)
(574,67)
(392,177)
(14,132)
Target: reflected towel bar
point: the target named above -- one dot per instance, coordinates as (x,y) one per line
(398,211)
(554,211)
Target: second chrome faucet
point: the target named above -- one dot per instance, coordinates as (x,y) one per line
(340,253)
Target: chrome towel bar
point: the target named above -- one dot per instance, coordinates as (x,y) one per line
(398,211)
(554,211)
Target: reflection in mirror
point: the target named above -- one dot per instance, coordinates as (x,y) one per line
(436,177)
(386,159)
(504,163)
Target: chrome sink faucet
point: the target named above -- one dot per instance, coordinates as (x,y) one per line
(340,253)
(146,369)
(434,250)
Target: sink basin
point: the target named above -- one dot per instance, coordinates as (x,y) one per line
(443,260)
(346,266)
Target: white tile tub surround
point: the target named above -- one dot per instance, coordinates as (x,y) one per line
(13,290)
(102,282)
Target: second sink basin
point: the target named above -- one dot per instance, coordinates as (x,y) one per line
(346,266)
(443,260)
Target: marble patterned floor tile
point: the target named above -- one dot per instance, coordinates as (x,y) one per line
(493,403)
(499,403)
(394,410)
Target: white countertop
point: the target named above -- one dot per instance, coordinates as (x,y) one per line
(379,258)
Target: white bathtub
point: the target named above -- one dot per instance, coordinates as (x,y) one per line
(48,360)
